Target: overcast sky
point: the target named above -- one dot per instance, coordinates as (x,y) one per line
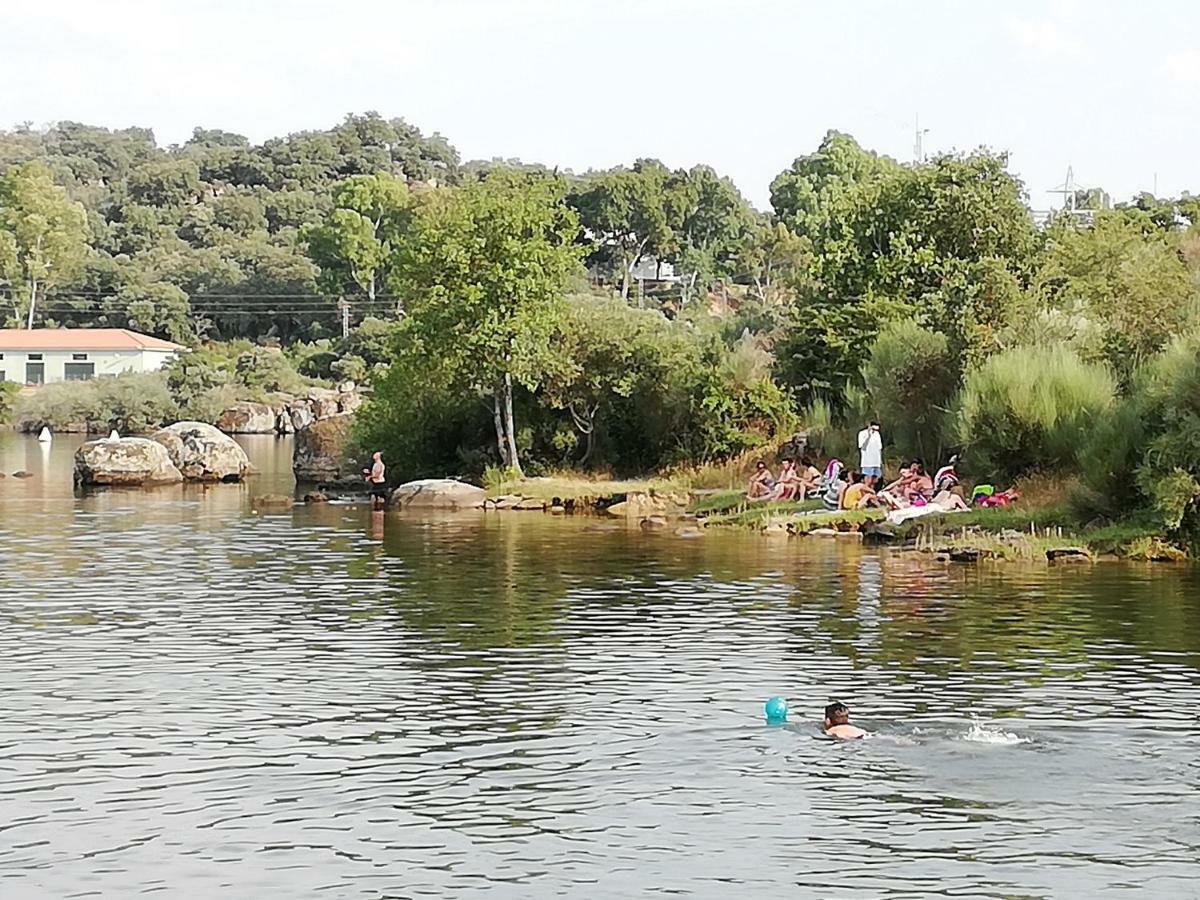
(743,85)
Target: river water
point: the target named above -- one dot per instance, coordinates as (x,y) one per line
(199,701)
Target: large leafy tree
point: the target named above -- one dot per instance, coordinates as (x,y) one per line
(623,211)
(356,244)
(709,220)
(484,268)
(1131,281)
(774,259)
(43,234)
(948,243)
(605,352)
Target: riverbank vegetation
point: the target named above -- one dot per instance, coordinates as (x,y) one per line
(640,319)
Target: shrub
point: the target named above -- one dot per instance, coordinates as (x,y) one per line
(267,369)
(130,403)
(910,379)
(1030,408)
(8,401)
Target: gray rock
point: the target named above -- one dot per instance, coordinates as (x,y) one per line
(349,403)
(300,414)
(322,449)
(203,453)
(438,493)
(1068,554)
(245,417)
(128,462)
(272,501)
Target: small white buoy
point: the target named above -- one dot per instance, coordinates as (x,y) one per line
(113,436)
(45,436)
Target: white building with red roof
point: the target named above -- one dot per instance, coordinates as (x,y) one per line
(44,355)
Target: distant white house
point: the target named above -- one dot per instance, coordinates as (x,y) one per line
(652,269)
(44,355)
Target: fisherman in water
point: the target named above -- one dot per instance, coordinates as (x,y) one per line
(837,723)
(378,481)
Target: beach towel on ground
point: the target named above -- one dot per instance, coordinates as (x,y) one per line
(896,516)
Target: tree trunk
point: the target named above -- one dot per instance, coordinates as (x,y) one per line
(33,288)
(758,289)
(586,424)
(498,418)
(510,436)
(626,270)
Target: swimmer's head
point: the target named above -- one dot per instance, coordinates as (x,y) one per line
(837,713)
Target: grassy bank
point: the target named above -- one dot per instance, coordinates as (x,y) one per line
(1043,520)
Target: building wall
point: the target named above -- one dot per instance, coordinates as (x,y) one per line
(105,362)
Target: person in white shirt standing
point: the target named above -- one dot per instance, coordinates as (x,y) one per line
(870,454)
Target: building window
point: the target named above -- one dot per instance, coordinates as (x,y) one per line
(1,356)
(79,357)
(77,371)
(35,372)
(2,378)
(35,357)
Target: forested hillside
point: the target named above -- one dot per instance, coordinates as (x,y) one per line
(201,240)
(629,319)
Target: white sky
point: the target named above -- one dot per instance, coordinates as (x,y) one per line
(744,85)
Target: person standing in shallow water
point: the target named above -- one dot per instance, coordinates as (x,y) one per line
(377,478)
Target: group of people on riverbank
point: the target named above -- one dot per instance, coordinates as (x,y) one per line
(840,488)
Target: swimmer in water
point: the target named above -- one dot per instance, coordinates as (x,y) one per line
(837,723)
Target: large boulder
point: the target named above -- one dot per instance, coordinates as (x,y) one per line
(125,462)
(300,413)
(203,453)
(438,493)
(350,401)
(324,402)
(322,449)
(638,505)
(245,417)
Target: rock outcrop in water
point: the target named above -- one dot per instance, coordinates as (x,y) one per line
(322,450)
(128,462)
(290,414)
(438,493)
(643,505)
(203,453)
(245,417)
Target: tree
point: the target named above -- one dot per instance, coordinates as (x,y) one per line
(624,212)
(806,194)
(774,258)
(604,353)
(947,243)
(709,219)
(1132,282)
(356,243)
(910,378)
(43,234)
(484,267)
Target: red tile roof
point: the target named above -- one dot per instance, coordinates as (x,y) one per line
(80,339)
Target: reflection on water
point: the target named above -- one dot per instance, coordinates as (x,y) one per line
(328,702)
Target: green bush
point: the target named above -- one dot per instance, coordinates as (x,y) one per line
(910,379)
(267,369)
(1030,408)
(8,401)
(131,403)
(1166,395)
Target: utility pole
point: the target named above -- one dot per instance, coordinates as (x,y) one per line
(919,142)
(1067,190)
(345,308)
